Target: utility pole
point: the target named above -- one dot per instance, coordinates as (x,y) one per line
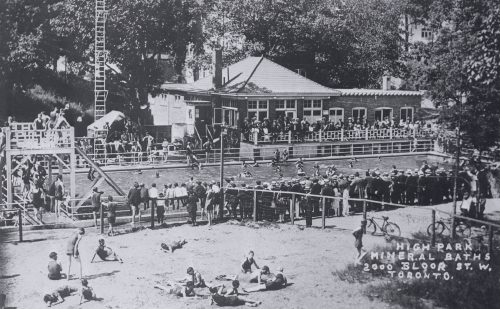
(221,204)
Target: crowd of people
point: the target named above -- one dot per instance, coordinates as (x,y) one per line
(428,185)
(300,128)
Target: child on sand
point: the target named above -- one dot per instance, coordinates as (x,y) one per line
(72,250)
(177,289)
(87,293)
(230,300)
(54,267)
(173,246)
(58,295)
(195,277)
(105,253)
(358,242)
(246,266)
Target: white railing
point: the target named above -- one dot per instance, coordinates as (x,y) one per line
(27,138)
(340,135)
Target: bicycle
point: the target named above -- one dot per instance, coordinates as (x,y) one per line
(387,228)
(462,229)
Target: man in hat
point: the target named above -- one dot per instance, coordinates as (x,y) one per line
(245,198)
(429,187)
(316,190)
(96,203)
(144,196)
(421,188)
(411,187)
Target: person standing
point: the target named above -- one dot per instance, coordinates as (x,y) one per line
(72,250)
(144,193)
(96,203)
(59,194)
(153,197)
(134,199)
(201,194)
(111,207)
(192,202)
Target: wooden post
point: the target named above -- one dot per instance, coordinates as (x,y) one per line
(390,133)
(101,213)
(292,210)
(342,134)
(255,137)
(490,241)
(153,213)
(289,137)
(72,172)
(323,213)
(254,206)
(20,218)
(366,133)
(364,216)
(320,135)
(8,167)
(433,239)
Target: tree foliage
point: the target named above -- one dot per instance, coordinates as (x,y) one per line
(460,67)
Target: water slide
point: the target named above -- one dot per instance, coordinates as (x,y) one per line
(108,179)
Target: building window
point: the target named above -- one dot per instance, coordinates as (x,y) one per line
(336,115)
(383,113)
(406,114)
(358,113)
(426,33)
(312,110)
(286,108)
(258,109)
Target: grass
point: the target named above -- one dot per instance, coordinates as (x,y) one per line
(466,289)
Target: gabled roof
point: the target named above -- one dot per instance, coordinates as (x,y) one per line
(258,75)
(379,92)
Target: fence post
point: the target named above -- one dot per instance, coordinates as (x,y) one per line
(433,239)
(292,210)
(289,137)
(320,134)
(20,218)
(323,213)
(153,215)
(254,206)
(490,240)
(390,132)
(364,216)
(255,137)
(366,133)
(101,213)
(342,134)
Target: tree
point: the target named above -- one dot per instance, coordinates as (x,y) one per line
(460,67)
(138,33)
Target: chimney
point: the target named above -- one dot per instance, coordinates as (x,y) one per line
(217,79)
(385,82)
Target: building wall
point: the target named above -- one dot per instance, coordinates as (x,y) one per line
(373,102)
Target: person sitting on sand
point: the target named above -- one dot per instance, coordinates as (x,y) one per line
(257,276)
(177,289)
(58,295)
(173,246)
(87,293)
(195,277)
(55,268)
(246,266)
(221,300)
(105,253)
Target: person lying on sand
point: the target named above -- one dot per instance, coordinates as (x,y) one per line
(58,295)
(105,253)
(233,290)
(173,246)
(218,298)
(177,289)
(87,293)
(277,282)
(246,266)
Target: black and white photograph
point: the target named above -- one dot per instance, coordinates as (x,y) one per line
(276,154)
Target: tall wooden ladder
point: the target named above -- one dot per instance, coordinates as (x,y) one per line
(100,92)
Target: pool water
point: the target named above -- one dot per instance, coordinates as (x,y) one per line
(265,173)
